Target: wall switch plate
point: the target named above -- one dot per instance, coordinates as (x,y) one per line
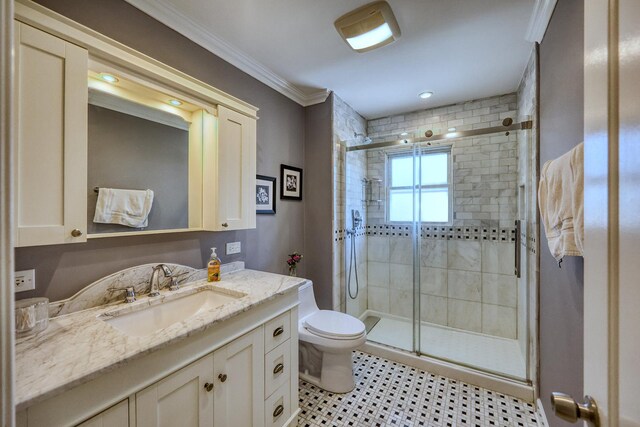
(25,280)
(233,248)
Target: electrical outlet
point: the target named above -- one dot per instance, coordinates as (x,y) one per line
(233,248)
(25,280)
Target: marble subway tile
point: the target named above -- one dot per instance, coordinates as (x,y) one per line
(464,285)
(498,320)
(499,289)
(465,315)
(433,309)
(433,281)
(464,255)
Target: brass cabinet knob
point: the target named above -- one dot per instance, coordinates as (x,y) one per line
(76,233)
(279,368)
(278,411)
(208,386)
(224,224)
(278,331)
(222,377)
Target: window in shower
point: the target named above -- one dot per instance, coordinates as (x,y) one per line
(435,198)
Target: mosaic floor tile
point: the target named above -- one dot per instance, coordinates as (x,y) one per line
(388,393)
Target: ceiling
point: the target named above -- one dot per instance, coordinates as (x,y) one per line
(459,49)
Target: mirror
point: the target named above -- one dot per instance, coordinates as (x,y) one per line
(144,148)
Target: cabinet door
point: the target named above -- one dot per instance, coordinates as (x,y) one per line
(51,130)
(239,383)
(184,398)
(116,416)
(236,207)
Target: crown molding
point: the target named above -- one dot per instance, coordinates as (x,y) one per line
(542,11)
(163,11)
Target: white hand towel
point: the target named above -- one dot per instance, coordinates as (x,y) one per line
(125,207)
(561,202)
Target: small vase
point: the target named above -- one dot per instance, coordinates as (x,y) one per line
(292,271)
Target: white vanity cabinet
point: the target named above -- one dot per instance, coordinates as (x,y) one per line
(51,130)
(230,169)
(116,416)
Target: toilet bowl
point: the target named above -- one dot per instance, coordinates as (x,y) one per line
(335,335)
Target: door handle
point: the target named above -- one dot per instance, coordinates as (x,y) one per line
(517,251)
(566,408)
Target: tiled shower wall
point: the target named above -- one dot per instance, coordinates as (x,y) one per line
(467,269)
(348,172)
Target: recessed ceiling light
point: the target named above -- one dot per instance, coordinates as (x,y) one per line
(369,27)
(175,102)
(425,95)
(109,78)
(451,129)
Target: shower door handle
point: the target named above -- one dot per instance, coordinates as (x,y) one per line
(517,251)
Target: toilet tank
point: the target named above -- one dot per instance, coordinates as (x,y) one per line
(307,300)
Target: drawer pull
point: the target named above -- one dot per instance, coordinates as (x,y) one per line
(278,331)
(208,386)
(279,368)
(225,225)
(278,411)
(76,232)
(222,377)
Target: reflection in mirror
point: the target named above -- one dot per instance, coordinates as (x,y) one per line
(134,147)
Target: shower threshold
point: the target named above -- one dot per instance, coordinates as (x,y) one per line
(498,356)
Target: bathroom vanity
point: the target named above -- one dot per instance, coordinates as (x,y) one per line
(227,357)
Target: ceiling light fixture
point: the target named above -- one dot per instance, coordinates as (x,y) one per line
(369,27)
(425,95)
(175,102)
(109,78)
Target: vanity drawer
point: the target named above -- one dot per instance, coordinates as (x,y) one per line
(277,331)
(277,408)
(277,367)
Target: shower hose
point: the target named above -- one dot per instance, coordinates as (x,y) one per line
(353,259)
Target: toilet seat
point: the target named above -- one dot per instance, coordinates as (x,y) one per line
(334,325)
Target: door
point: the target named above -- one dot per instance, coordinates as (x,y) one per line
(51,129)
(236,170)
(184,398)
(612,234)
(239,382)
(116,416)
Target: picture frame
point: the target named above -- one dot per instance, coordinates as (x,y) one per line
(265,194)
(290,183)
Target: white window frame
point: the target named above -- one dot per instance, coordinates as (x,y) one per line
(449,186)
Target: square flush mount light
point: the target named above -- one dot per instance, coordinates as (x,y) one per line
(369,27)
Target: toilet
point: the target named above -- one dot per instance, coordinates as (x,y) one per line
(327,340)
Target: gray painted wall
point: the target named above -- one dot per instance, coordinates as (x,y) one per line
(64,269)
(561,128)
(132,153)
(318,198)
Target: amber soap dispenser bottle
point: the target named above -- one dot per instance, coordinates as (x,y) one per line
(213,267)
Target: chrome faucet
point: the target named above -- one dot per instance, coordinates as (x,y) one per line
(154,286)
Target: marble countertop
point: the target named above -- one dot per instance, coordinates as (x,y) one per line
(78,347)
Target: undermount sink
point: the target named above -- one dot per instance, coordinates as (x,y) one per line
(145,319)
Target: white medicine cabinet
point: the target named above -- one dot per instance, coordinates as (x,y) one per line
(106,116)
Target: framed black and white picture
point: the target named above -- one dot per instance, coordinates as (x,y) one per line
(290,183)
(265,194)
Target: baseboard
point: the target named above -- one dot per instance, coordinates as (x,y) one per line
(541,417)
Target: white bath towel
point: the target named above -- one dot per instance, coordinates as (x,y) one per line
(125,207)
(561,202)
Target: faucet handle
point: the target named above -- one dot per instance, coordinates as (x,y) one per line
(130,291)
(174,286)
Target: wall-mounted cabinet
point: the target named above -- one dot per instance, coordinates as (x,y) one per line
(51,153)
(78,133)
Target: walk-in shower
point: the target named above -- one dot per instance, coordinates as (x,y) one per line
(443,266)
